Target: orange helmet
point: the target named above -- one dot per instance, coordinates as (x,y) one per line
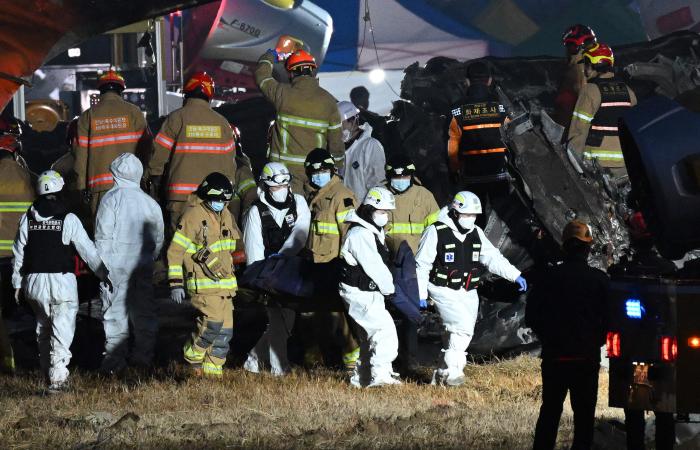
(202,81)
(9,143)
(300,59)
(577,230)
(600,56)
(111,77)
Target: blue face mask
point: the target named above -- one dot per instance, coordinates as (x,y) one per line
(216,206)
(320,179)
(400,184)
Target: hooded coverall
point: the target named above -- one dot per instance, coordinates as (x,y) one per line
(105,131)
(129,236)
(53,296)
(458,308)
(364,163)
(379,342)
(16,196)
(271,349)
(201,227)
(307,118)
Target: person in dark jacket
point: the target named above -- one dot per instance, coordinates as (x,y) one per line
(647,262)
(567,309)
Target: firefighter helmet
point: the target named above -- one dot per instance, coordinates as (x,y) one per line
(49,182)
(638,227)
(347,110)
(300,59)
(577,37)
(577,230)
(9,143)
(275,174)
(216,186)
(111,80)
(380,198)
(201,81)
(466,202)
(319,159)
(600,57)
(399,165)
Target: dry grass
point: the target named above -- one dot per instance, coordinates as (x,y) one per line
(497,408)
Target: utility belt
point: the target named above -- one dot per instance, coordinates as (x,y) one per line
(457,279)
(356,277)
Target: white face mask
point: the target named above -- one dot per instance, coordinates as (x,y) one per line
(347,135)
(279,195)
(467,222)
(380,218)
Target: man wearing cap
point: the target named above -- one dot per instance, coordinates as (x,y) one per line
(364,155)
(567,309)
(105,131)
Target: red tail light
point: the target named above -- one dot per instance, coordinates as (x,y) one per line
(669,348)
(612,342)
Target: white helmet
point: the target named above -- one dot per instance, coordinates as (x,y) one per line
(381,198)
(275,174)
(347,110)
(49,182)
(466,202)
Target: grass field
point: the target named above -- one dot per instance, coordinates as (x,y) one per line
(496,409)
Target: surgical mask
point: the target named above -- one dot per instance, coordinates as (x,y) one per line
(279,195)
(400,184)
(467,222)
(380,218)
(321,179)
(216,205)
(347,135)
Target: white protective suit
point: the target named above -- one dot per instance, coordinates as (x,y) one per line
(458,308)
(271,349)
(129,237)
(379,343)
(364,163)
(54,296)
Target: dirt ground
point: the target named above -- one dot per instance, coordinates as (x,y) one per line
(496,409)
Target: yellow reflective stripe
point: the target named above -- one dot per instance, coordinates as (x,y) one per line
(342,215)
(14,206)
(213,261)
(6,244)
(583,116)
(175,271)
(212,369)
(223,245)
(192,353)
(603,155)
(207,284)
(335,127)
(184,242)
(352,356)
(245,185)
(303,122)
(431,219)
(406,228)
(326,228)
(295,160)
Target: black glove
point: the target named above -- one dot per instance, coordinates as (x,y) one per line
(87,196)
(154,186)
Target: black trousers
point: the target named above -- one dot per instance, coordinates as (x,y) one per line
(635,424)
(580,380)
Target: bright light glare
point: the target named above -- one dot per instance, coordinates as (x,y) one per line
(74,52)
(376,76)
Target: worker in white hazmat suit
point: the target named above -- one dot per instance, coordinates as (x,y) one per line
(364,155)
(43,268)
(276,225)
(364,282)
(129,237)
(448,259)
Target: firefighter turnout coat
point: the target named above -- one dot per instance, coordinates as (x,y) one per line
(105,131)
(416,209)
(16,196)
(193,142)
(329,207)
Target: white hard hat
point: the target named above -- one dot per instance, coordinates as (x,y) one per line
(49,182)
(347,110)
(466,202)
(275,174)
(381,198)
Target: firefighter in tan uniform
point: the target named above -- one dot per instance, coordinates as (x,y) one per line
(105,131)
(244,185)
(200,263)
(16,196)
(307,115)
(416,209)
(330,202)
(193,142)
(593,134)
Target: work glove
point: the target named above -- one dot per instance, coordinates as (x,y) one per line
(423,303)
(522,284)
(18,296)
(154,186)
(87,196)
(103,275)
(177,295)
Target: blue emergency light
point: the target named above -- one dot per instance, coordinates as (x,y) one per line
(634,308)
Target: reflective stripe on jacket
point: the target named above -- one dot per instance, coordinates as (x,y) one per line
(16,196)
(416,209)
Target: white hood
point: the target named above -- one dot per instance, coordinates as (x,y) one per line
(127,170)
(355,218)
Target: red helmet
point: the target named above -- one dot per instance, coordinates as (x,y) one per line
(111,77)
(577,37)
(202,81)
(600,56)
(638,227)
(300,59)
(9,143)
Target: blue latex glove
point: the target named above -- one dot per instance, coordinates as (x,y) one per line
(522,283)
(177,295)
(423,303)
(274,53)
